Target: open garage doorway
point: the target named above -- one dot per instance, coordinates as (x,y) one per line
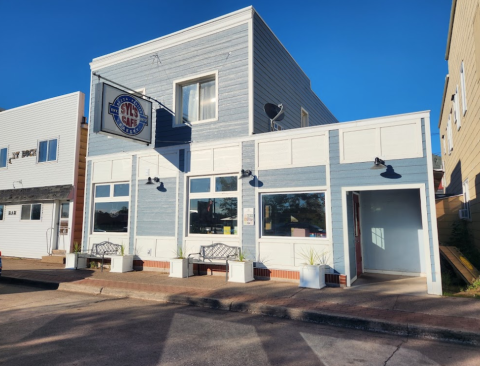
(386,235)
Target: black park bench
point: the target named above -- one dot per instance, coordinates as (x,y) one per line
(212,254)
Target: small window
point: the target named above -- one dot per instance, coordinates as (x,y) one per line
(464,88)
(31,212)
(47,151)
(3,157)
(196,100)
(121,190)
(456,109)
(2,209)
(449,134)
(304,118)
(200,185)
(444,145)
(226,184)
(102,191)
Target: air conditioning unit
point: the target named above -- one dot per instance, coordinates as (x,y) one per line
(464,214)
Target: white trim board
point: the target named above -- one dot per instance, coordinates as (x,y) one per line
(396,273)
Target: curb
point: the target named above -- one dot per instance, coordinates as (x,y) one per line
(310,316)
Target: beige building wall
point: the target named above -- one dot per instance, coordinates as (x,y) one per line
(462,159)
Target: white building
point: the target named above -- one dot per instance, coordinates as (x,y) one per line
(42,176)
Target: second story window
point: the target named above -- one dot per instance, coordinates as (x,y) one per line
(304,120)
(196,100)
(47,150)
(3,157)
(464,88)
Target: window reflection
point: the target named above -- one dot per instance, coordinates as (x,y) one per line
(213,216)
(111,217)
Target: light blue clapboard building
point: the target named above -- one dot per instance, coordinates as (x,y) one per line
(182,153)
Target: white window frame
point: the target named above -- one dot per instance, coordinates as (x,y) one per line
(304,122)
(6,160)
(56,155)
(290,238)
(444,145)
(29,204)
(456,109)
(177,96)
(464,88)
(466,197)
(213,194)
(111,198)
(449,134)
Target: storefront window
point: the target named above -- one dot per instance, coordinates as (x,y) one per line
(294,215)
(213,211)
(31,212)
(111,208)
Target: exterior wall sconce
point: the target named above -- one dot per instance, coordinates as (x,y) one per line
(378,164)
(151,180)
(245,173)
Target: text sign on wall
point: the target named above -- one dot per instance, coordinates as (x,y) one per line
(248,216)
(124,115)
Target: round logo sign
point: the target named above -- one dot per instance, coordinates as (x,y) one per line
(128,114)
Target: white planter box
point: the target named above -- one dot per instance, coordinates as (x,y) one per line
(312,276)
(240,271)
(75,260)
(121,263)
(178,268)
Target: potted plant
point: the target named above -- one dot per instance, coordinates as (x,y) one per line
(240,270)
(179,266)
(75,260)
(312,273)
(121,263)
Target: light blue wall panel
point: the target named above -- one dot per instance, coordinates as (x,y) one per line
(131,211)
(225,52)
(248,199)
(86,211)
(279,79)
(293,177)
(351,235)
(157,208)
(392,234)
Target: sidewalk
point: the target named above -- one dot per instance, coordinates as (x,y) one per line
(368,307)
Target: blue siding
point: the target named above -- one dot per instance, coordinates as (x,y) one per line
(158,209)
(351,235)
(86,211)
(248,200)
(279,79)
(225,52)
(293,177)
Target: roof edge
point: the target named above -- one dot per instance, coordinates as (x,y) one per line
(450,28)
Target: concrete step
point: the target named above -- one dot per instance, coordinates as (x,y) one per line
(54,259)
(59,252)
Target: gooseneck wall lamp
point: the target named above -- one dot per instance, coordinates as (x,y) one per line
(378,164)
(245,173)
(150,180)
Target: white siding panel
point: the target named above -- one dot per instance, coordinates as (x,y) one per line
(274,154)
(145,248)
(359,145)
(309,151)
(277,254)
(201,160)
(403,141)
(102,171)
(25,238)
(166,248)
(121,170)
(226,159)
(147,166)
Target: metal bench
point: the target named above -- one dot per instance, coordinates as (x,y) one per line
(105,248)
(214,253)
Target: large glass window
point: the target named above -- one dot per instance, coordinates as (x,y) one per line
(197,100)
(111,208)
(213,205)
(47,150)
(31,212)
(294,214)
(3,157)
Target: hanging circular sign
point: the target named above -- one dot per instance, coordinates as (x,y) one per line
(128,114)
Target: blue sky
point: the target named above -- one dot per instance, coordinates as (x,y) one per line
(365,59)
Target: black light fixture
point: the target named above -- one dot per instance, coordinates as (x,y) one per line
(151,180)
(378,164)
(245,173)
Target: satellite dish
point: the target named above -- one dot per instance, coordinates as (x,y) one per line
(274,112)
